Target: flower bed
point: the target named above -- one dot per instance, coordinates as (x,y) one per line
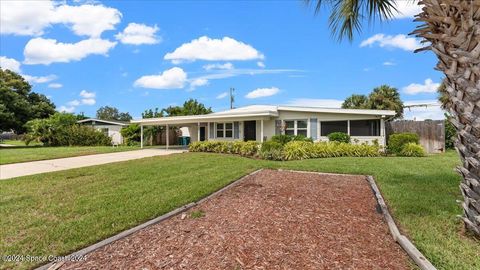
(293,150)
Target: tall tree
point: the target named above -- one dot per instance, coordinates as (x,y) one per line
(190,107)
(18,104)
(385,97)
(450,30)
(112,113)
(355,102)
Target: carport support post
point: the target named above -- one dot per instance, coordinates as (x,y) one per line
(261,130)
(141,136)
(167,136)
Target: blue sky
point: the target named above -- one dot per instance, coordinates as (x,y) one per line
(137,55)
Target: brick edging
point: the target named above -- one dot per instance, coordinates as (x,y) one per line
(402,240)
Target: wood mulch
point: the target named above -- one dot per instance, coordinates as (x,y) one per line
(271,220)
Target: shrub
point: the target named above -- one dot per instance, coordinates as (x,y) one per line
(450,134)
(412,150)
(249,148)
(282,139)
(271,150)
(301,138)
(295,150)
(396,141)
(339,137)
(61,129)
(131,134)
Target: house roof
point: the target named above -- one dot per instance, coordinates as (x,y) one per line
(256,112)
(111,122)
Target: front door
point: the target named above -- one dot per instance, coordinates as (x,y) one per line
(202,134)
(250,131)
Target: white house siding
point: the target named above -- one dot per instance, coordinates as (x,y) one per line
(323,117)
(113,132)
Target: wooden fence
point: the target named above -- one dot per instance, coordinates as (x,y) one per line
(431,132)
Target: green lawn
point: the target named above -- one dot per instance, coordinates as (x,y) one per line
(60,212)
(16,154)
(20,143)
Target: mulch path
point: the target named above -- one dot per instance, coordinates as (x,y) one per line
(272,220)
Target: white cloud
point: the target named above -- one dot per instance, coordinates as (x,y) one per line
(55,85)
(222,95)
(198,82)
(89,101)
(86,94)
(25,17)
(87,20)
(389,63)
(261,64)
(33,17)
(218,66)
(88,98)
(10,64)
(73,103)
(47,51)
(205,48)
(263,92)
(428,87)
(39,79)
(399,41)
(406,9)
(313,102)
(173,78)
(431,111)
(69,109)
(137,34)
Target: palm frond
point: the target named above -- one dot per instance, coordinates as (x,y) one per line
(347,16)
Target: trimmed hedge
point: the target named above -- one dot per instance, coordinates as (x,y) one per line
(293,150)
(396,141)
(339,137)
(412,150)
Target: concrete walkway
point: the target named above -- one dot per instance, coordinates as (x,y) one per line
(42,166)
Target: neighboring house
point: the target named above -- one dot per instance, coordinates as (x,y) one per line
(261,122)
(111,128)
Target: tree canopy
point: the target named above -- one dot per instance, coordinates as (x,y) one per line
(112,113)
(18,104)
(383,97)
(190,107)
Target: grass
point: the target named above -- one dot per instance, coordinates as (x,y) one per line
(16,154)
(20,143)
(57,213)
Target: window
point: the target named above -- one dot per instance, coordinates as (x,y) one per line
(333,126)
(224,130)
(296,127)
(220,130)
(302,127)
(290,128)
(228,130)
(365,128)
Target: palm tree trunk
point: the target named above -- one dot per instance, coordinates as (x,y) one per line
(452,30)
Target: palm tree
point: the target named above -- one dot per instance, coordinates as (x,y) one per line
(385,97)
(355,102)
(451,30)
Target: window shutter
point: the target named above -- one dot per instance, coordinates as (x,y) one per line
(236,130)
(313,128)
(211,131)
(278,127)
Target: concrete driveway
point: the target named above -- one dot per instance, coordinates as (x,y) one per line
(42,166)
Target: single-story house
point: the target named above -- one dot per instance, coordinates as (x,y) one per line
(111,128)
(261,122)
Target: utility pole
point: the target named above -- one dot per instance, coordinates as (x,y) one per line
(232,97)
